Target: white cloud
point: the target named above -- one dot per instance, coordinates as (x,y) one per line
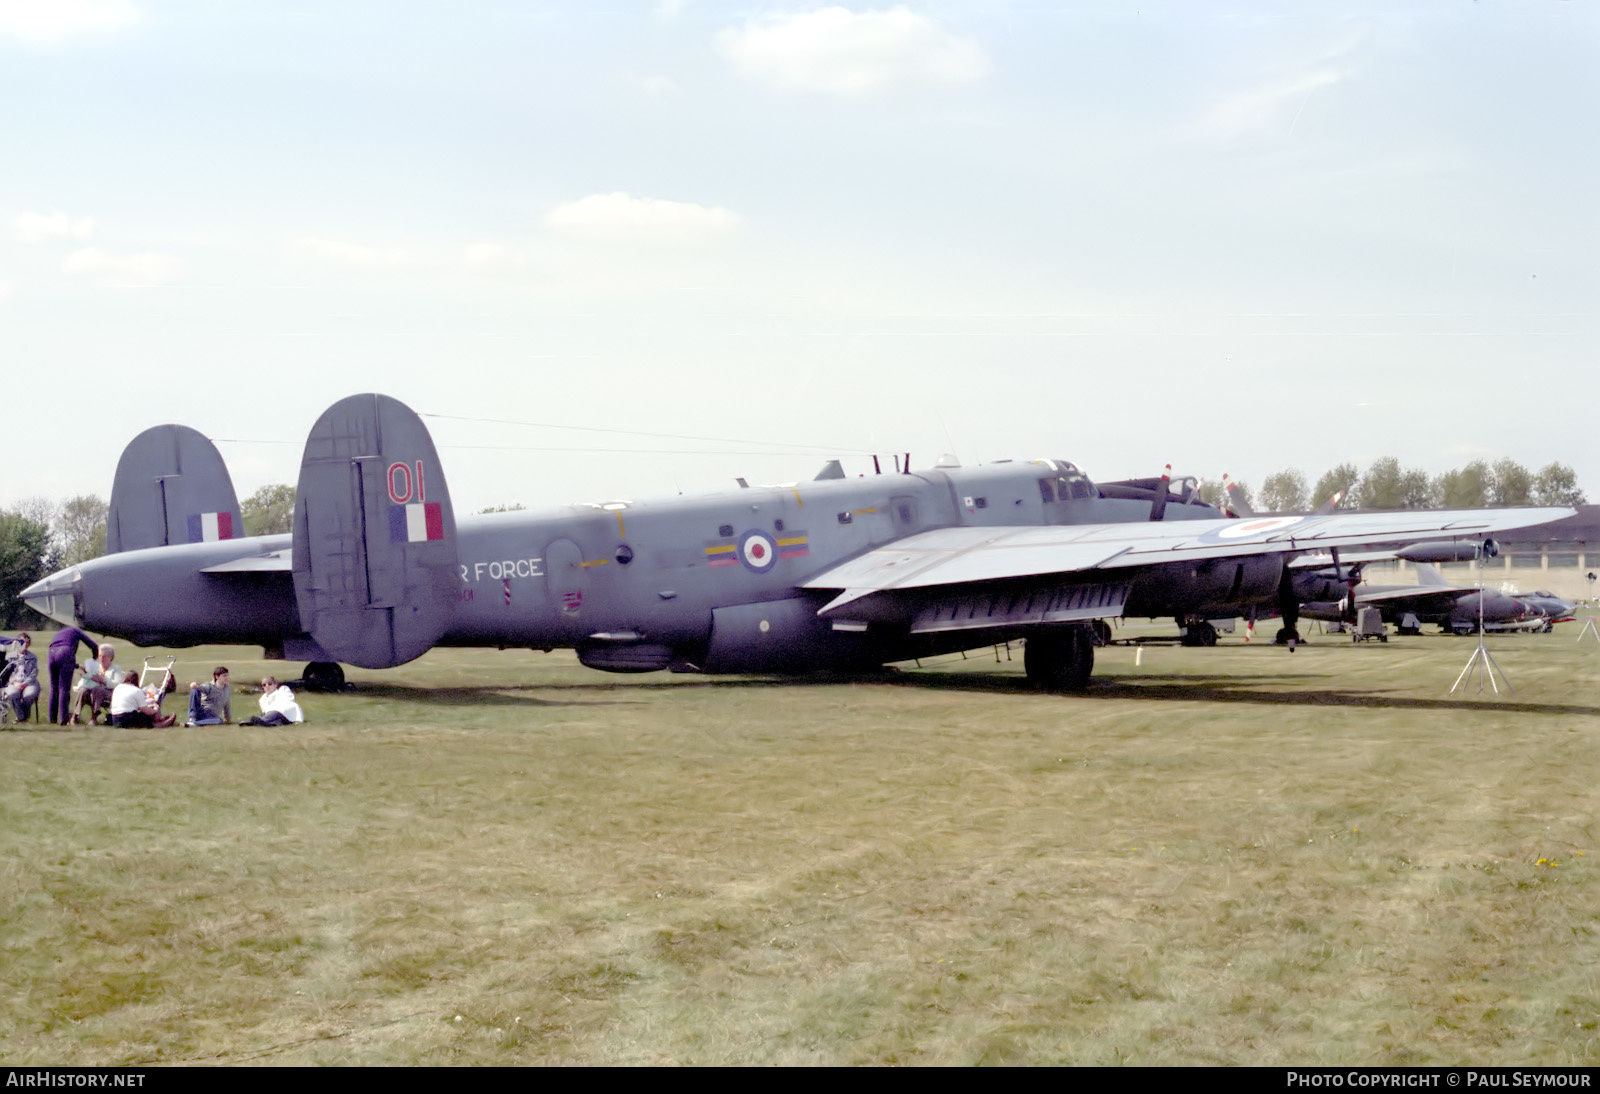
(844,52)
(495,258)
(1273,110)
(133,270)
(624,219)
(45,22)
(7,291)
(318,250)
(39,227)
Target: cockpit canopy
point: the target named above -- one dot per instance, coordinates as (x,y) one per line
(1065,483)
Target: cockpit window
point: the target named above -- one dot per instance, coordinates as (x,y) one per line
(1047,490)
(1072,483)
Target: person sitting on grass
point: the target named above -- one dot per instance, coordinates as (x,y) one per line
(134,708)
(278,707)
(211,704)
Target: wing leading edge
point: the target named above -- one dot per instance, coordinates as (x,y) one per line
(948,560)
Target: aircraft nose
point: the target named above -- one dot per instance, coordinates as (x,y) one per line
(52,597)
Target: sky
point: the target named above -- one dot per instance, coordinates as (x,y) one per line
(634,250)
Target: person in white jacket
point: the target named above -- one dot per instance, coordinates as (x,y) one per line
(278,707)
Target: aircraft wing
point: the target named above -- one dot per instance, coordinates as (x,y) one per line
(1439,594)
(950,558)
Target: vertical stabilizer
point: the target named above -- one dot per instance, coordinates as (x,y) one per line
(374,535)
(171,487)
(1428,574)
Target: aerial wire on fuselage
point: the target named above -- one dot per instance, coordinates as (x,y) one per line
(644,433)
(559,448)
(768,451)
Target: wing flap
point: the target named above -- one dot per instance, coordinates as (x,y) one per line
(1064,604)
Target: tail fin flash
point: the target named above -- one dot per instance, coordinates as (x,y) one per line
(374,535)
(171,487)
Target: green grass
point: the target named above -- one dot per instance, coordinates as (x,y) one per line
(1235,855)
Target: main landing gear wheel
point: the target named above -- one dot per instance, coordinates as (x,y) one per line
(1061,659)
(1102,632)
(1199,634)
(323,676)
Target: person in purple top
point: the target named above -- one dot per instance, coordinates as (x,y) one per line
(63,662)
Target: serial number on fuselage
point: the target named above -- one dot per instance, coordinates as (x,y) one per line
(501,569)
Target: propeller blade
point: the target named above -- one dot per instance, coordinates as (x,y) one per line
(1237,506)
(1158,505)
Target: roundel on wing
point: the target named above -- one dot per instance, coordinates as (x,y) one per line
(758,552)
(1251,527)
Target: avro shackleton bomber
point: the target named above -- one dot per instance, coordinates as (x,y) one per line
(835,573)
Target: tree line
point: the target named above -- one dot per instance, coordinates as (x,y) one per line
(1385,484)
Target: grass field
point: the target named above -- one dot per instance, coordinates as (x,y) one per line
(1234,855)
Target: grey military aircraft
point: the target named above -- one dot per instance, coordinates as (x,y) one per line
(836,573)
(1551,608)
(1454,609)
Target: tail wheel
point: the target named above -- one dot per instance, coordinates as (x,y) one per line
(323,676)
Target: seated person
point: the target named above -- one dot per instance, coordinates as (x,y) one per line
(134,708)
(22,686)
(100,676)
(211,704)
(278,707)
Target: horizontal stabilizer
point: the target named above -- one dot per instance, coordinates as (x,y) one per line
(276,562)
(374,548)
(171,487)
